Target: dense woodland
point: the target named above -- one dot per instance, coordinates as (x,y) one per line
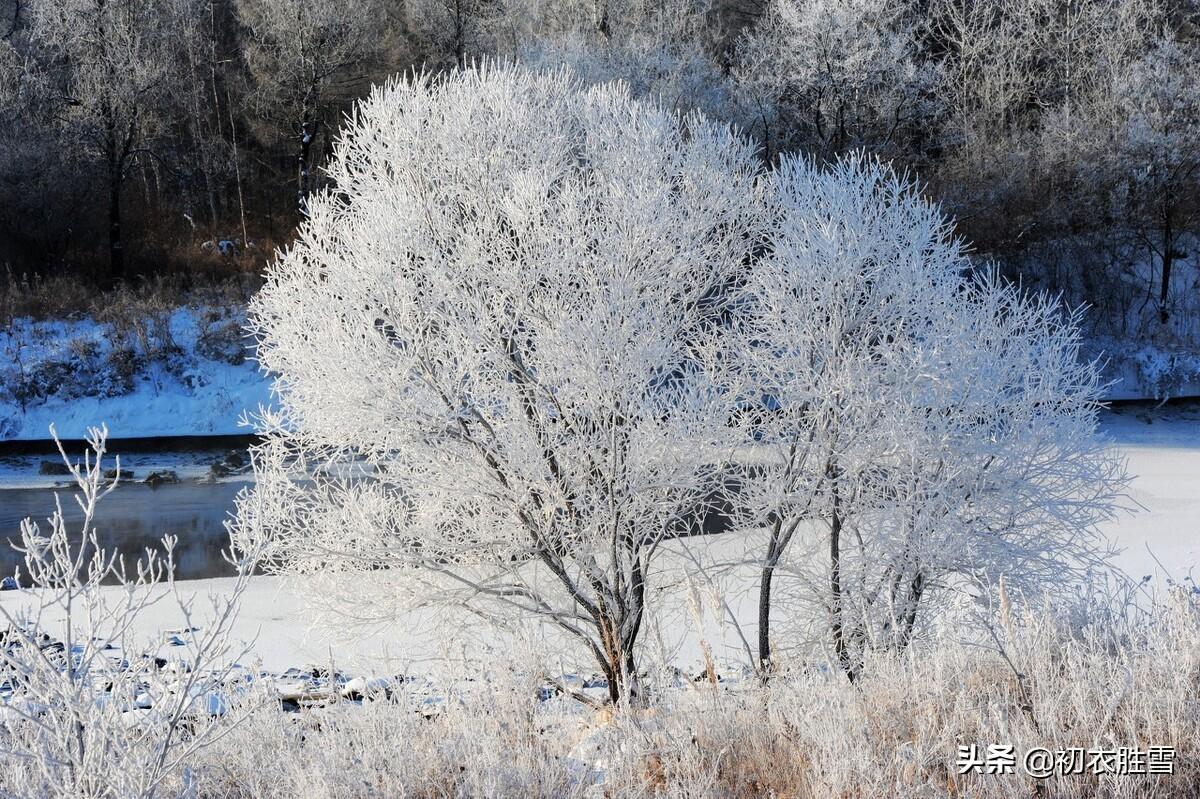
(152,137)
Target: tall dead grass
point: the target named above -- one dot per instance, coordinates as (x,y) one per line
(1043,682)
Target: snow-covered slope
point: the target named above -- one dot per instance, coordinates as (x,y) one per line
(191,371)
(191,374)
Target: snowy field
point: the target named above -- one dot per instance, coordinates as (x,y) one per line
(1163,448)
(1162,538)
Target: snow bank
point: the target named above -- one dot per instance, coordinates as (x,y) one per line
(194,376)
(1144,371)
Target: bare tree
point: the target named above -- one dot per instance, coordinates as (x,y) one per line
(113,66)
(302,57)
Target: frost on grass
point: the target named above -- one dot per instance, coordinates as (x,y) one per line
(87,709)
(1094,683)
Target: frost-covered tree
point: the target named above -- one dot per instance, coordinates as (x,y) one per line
(834,76)
(112,66)
(87,707)
(664,50)
(498,345)
(1015,76)
(301,54)
(923,429)
(524,22)
(678,73)
(455,32)
(1147,151)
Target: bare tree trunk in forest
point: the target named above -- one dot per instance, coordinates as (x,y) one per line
(600,18)
(237,170)
(117,155)
(308,132)
(460,34)
(1168,259)
(116,253)
(16,20)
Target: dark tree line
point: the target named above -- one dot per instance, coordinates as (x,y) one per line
(138,136)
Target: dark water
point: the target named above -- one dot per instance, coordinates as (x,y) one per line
(136,516)
(133,518)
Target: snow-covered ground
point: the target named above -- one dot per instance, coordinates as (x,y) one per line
(188,375)
(1163,449)
(188,378)
(1141,370)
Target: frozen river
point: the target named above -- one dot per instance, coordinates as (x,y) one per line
(1162,445)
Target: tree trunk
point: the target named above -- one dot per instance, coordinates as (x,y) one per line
(835,583)
(780,539)
(1168,260)
(308,132)
(460,34)
(116,253)
(764,600)
(764,619)
(915,589)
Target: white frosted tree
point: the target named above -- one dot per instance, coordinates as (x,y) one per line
(87,706)
(498,345)
(834,76)
(302,56)
(677,72)
(922,429)
(1144,145)
(455,32)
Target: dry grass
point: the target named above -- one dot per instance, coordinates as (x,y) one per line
(50,298)
(807,734)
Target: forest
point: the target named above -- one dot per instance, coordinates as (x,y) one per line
(144,139)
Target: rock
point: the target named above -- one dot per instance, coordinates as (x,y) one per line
(53,468)
(361,688)
(212,703)
(9,584)
(232,463)
(111,474)
(155,479)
